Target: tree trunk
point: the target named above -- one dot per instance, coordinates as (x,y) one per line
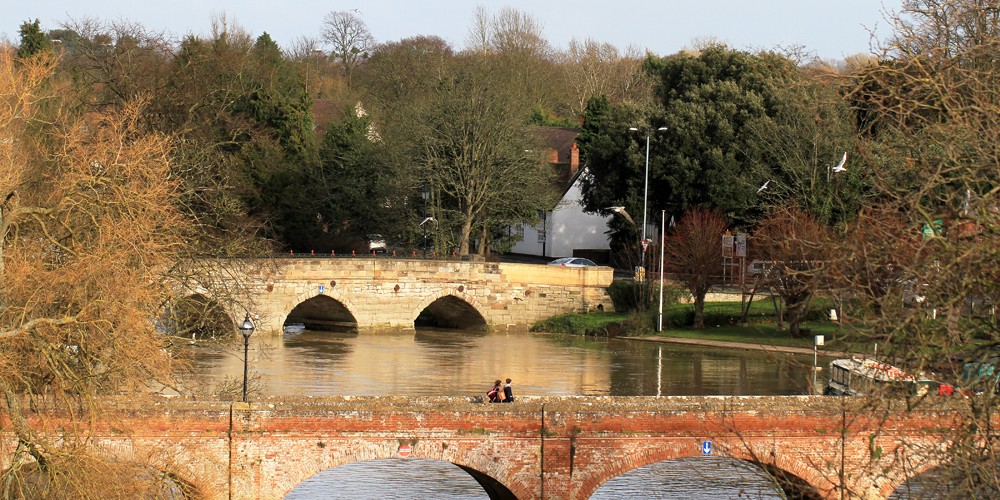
(699,309)
(463,242)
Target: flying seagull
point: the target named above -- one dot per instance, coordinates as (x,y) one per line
(429,219)
(764,186)
(621,211)
(840,166)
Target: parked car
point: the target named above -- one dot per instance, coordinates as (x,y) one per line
(572,262)
(376,243)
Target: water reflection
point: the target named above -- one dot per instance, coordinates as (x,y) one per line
(402,478)
(399,478)
(464,362)
(697,477)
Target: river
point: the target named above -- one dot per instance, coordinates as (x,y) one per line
(464,363)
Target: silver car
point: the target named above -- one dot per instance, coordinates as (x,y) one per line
(572,262)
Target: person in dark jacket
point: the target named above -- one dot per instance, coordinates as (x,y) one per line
(508,393)
(494,393)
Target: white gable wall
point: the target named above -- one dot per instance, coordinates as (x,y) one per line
(568,228)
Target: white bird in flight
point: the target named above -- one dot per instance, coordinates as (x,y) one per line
(621,211)
(764,186)
(429,219)
(840,166)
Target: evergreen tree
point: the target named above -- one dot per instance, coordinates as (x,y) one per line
(33,40)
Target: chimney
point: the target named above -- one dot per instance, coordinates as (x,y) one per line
(553,156)
(574,160)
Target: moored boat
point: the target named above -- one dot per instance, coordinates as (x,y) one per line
(294,328)
(861,377)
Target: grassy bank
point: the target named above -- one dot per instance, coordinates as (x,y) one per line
(721,320)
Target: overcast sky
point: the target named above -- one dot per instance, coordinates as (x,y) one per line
(832,29)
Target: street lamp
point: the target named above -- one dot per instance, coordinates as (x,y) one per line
(817,341)
(425,193)
(645,193)
(246,329)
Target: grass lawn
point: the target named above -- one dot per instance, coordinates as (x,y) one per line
(768,334)
(720,319)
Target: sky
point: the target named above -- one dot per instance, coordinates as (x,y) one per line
(830,29)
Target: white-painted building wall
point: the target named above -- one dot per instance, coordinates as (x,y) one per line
(567,228)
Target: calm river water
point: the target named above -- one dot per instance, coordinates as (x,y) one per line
(463,363)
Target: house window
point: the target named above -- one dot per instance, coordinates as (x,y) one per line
(519,232)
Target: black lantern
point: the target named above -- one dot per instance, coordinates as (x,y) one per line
(246,328)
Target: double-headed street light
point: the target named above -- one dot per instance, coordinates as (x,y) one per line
(425,193)
(645,193)
(246,328)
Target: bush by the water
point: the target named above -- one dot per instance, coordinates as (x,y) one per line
(592,324)
(629,295)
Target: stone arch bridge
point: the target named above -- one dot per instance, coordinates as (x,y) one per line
(560,447)
(367,293)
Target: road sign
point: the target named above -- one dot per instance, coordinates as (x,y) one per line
(404,450)
(706,447)
(741,245)
(727,245)
(645,244)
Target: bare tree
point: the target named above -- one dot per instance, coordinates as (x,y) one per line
(89,225)
(594,68)
(509,31)
(474,144)
(799,250)
(349,38)
(695,255)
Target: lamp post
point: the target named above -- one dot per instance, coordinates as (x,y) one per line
(246,328)
(817,341)
(645,193)
(425,193)
(663,239)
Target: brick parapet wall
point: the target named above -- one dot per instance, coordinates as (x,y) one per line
(564,446)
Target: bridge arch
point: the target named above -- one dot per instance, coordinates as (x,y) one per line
(452,309)
(343,310)
(796,481)
(495,478)
(196,315)
(919,476)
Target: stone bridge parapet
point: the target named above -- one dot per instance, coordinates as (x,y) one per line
(384,292)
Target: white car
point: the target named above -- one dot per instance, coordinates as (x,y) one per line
(573,262)
(376,243)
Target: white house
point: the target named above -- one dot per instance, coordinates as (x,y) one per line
(566,230)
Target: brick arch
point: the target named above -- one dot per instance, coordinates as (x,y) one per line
(896,479)
(478,460)
(427,300)
(330,292)
(789,463)
(662,453)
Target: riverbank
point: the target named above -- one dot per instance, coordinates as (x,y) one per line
(747,346)
(721,331)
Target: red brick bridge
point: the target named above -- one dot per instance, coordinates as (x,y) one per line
(553,447)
